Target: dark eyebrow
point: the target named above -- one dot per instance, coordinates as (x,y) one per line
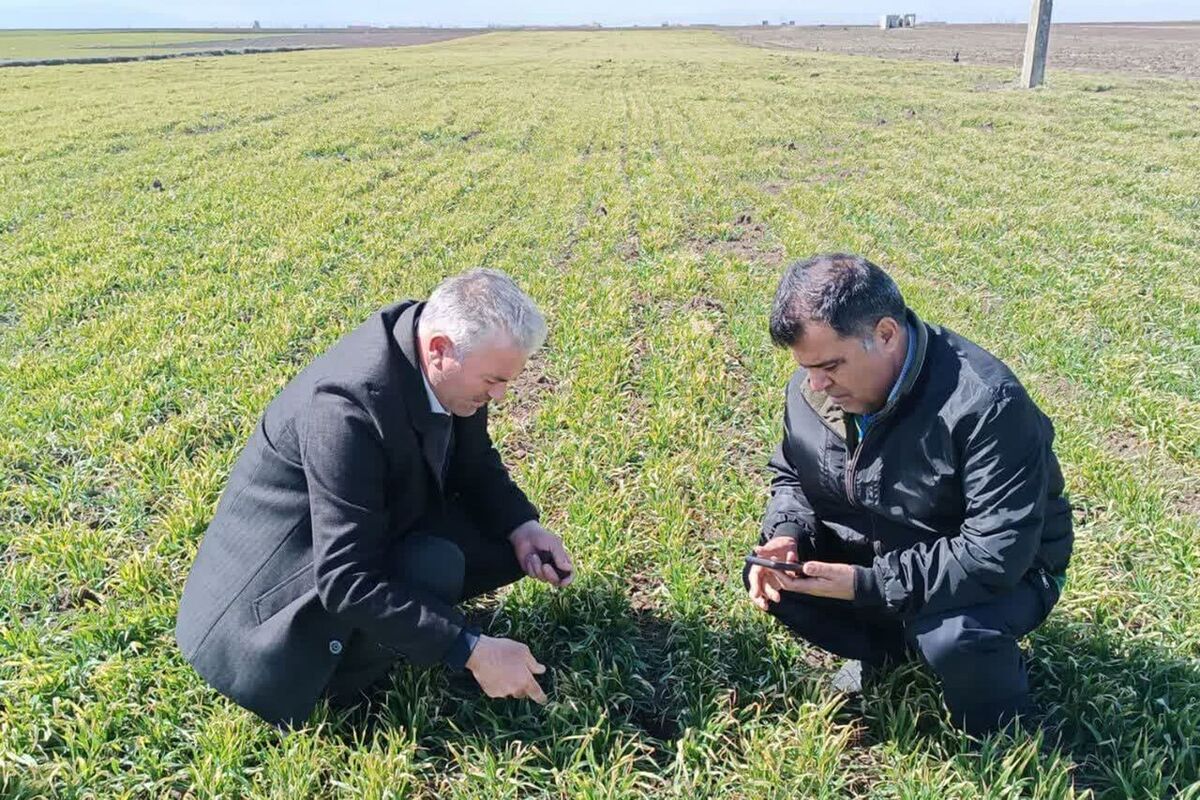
(824,364)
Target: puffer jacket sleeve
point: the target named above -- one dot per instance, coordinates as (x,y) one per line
(1004,475)
(789,512)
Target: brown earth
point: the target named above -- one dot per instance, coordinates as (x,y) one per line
(1140,48)
(262,41)
(370,37)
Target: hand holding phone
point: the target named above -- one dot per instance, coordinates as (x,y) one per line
(548,558)
(782,566)
(767,566)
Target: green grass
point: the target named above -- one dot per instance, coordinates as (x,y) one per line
(25,45)
(143,330)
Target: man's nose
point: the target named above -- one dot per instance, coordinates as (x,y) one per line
(818,380)
(497,391)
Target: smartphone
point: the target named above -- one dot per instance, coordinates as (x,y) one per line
(548,558)
(782,566)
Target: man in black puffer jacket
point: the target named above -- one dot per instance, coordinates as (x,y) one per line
(917,479)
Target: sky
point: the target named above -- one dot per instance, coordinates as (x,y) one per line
(479,13)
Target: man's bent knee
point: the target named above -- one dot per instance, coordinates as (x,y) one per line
(981,669)
(954,647)
(433,564)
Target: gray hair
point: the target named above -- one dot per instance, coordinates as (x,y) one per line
(846,292)
(478,304)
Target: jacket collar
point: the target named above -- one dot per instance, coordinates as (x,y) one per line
(837,420)
(431,427)
(918,363)
(404,333)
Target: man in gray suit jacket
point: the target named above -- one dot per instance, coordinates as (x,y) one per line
(368,502)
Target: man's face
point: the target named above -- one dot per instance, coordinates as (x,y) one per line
(465,384)
(857,378)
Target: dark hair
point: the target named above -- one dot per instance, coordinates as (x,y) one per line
(844,291)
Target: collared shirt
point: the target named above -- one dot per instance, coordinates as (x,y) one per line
(863,421)
(434,404)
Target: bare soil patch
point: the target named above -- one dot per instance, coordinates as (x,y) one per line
(370,37)
(240,43)
(747,242)
(1140,48)
(1189,500)
(525,396)
(1125,445)
(1183,489)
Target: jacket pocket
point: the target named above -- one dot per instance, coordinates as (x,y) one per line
(272,601)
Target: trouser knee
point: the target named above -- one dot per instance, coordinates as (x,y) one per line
(968,656)
(434,565)
(981,669)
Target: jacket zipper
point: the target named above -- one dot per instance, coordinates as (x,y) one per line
(852,463)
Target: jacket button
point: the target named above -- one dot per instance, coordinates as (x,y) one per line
(335,646)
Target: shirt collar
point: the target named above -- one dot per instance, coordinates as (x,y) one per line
(909,357)
(435,405)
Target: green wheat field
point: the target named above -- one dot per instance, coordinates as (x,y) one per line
(179,238)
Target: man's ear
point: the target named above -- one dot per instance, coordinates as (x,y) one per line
(441,351)
(887,331)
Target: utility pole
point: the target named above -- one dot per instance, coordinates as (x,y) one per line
(1037,41)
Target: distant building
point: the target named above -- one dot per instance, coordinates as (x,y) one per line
(898,21)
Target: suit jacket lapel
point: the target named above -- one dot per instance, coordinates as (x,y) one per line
(432,428)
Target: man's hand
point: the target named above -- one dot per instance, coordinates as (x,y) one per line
(822,579)
(505,668)
(531,539)
(765,583)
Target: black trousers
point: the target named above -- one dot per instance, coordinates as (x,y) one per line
(454,562)
(973,650)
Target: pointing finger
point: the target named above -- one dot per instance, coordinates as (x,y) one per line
(534,691)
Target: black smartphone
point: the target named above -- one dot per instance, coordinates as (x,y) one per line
(782,566)
(548,558)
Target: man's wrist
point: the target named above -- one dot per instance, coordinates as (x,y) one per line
(522,528)
(866,588)
(460,650)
